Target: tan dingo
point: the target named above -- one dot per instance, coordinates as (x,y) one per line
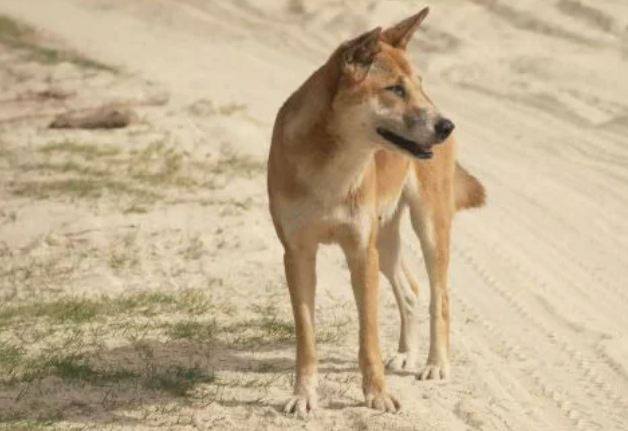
(352,148)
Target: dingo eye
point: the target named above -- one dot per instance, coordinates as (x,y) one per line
(398,90)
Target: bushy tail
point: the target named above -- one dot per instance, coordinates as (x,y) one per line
(468,191)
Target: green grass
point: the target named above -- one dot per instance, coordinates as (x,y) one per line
(268,325)
(136,178)
(88,151)
(177,380)
(66,167)
(192,329)
(7,423)
(60,311)
(157,165)
(12,30)
(10,357)
(79,188)
(81,310)
(242,165)
(24,38)
(76,368)
(231,108)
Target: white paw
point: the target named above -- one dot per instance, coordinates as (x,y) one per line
(383,402)
(438,371)
(301,406)
(402,362)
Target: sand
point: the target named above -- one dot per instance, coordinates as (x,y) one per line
(539,93)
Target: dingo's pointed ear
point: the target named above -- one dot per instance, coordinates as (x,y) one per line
(399,35)
(358,54)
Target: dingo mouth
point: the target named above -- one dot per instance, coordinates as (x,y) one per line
(405,144)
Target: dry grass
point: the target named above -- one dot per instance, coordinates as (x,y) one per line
(69,344)
(135,178)
(24,38)
(95,170)
(170,337)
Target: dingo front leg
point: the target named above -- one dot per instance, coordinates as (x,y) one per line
(300,268)
(364,266)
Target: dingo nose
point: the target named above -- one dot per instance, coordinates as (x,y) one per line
(443,128)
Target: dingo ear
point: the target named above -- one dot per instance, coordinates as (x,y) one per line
(358,54)
(399,35)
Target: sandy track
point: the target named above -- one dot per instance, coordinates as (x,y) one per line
(539,94)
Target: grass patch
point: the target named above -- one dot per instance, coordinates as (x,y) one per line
(148,300)
(268,326)
(177,380)
(5,153)
(243,165)
(7,423)
(134,178)
(34,273)
(274,326)
(194,250)
(79,188)
(75,368)
(68,167)
(23,37)
(12,30)
(157,165)
(60,311)
(10,357)
(126,255)
(79,310)
(192,329)
(231,108)
(88,151)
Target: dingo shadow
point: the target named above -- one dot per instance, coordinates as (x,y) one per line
(96,387)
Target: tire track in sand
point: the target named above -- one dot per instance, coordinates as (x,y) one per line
(597,387)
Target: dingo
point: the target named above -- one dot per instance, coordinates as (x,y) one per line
(352,148)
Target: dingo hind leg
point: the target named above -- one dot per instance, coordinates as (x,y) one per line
(431,211)
(405,289)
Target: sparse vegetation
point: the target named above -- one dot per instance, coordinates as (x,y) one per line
(79,188)
(87,151)
(165,336)
(81,310)
(177,380)
(231,108)
(74,170)
(10,357)
(193,329)
(194,250)
(22,37)
(242,165)
(125,254)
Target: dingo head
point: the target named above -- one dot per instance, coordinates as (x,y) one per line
(379,100)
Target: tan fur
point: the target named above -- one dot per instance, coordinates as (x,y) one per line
(334,178)
(469,192)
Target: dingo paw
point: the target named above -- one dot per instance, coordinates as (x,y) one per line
(402,362)
(439,371)
(301,406)
(383,402)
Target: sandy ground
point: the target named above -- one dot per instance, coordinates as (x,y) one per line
(175,206)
